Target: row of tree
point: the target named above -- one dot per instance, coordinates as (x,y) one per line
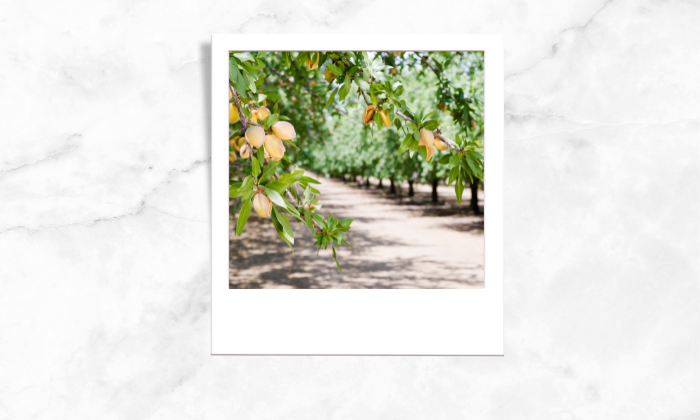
(401,116)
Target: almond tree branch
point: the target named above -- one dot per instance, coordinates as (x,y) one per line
(449,143)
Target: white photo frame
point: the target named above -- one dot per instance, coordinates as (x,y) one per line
(359,321)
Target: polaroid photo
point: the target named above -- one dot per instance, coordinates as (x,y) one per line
(357,205)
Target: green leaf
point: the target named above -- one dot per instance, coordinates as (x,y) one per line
(423,151)
(291,143)
(260,156)
(378,121)
(344,222)
(309,180)
(256,167)
(270,120)
(346,243)
(334,69)
(247,196)
(431,125)
(280,187)
(247,183)
(244,56)
(307,194)
(454,160)
(453,175)
(345,89)
(459,189)
(235,76)
(309,220)
(290,208)
(280,230)
(416,134)
(445,160)
(261,54)
(336,261)
(331,98)
(291,178)
(405,143)
(243,217)
(275,197)
(270,169)
(362,84)
(235,190)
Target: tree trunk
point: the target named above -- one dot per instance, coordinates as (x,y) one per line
(435,185)
(410,188)
(380,184)
(392,188)
(474,201)
(367,182)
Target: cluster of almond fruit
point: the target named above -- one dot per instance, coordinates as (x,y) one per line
(255,137)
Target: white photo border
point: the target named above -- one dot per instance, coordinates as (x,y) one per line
(359,321)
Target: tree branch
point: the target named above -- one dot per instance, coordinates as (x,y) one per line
(449,143)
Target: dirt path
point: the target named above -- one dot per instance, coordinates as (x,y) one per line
(399,243)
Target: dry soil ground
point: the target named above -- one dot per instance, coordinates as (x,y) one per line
(399,243)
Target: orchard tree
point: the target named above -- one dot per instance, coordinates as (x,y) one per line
(396,115)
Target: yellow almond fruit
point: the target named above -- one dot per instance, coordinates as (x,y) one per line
(329,75)
(231,156)
(245,151)
(385,118)
(255,136)
(263,112)
(368,115)
(274,147)
(284,130)
(310,63)
(233,116)
(426,139)
(441,145)
(254,116)
(262,205)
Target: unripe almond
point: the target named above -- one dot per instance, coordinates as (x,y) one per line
(262,205)
(233,116)
(274,147)
(329,75)
(255,135)
(263,112)
(442,106)
(426,139)
(368,115)
(245,151)
(310,63)
(240,141)
(284,130)
(385,118)
(440,144)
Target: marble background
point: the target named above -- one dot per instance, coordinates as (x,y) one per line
(104,217)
